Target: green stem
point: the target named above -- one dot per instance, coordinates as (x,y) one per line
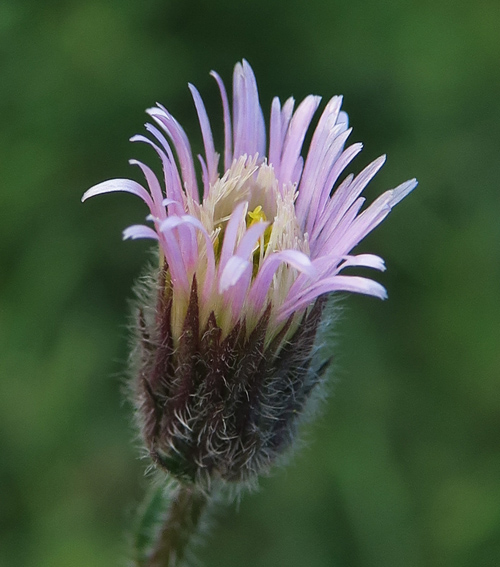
(179,525)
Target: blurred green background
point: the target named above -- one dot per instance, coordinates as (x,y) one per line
(403,467)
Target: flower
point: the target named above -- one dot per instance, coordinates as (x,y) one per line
(245,265)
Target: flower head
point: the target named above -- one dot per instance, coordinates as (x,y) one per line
(246,258)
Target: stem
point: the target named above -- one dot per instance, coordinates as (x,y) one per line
(181,523)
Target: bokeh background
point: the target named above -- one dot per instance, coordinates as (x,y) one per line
(403,466)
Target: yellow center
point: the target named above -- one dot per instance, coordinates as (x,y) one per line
(254,217)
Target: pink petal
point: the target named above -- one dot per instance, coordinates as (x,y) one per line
(212,158)
(228,155)
(249,127)
(275,138)
(139,231)
(259,122)
(126,185)
(173,252)
(231,233)
(374,215)
(235,267)
(347,196)
(173,183)
(295,135)
(354,284)
(182,147)
(209,278)
(260,286)
(172,180)
(364,260)
(331,237)
(236,295)
(316,190)
(250,239)
(286,115)
(327,206)
(297,172)
(204,176)
(153,185)
(325,132)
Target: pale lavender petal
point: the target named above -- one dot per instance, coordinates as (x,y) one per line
(139,231)
(286,116)
(355,284)
(250,239)
(323,224)
(374,215)
(297,172)
(231,233)
(204,176)
(259,124)
(209,278)
(325,132)
(295,136)
(343,160)
(330,115)
(175,221)
(173,253)
(172,188)
(187,242)
(364,260)
(212,158)
(238,293)
(233,270)
(342,202)
(173,183)
(331,237)
(182,147)
(249,127)
(167,202)
(154,186)
(323,266)
(329,204)
(401,191)
(275,138)
(314,189)
(331,265)
(344,118)
(125,185)
(260,286)
(317,155)
(228,154)
(239,110)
